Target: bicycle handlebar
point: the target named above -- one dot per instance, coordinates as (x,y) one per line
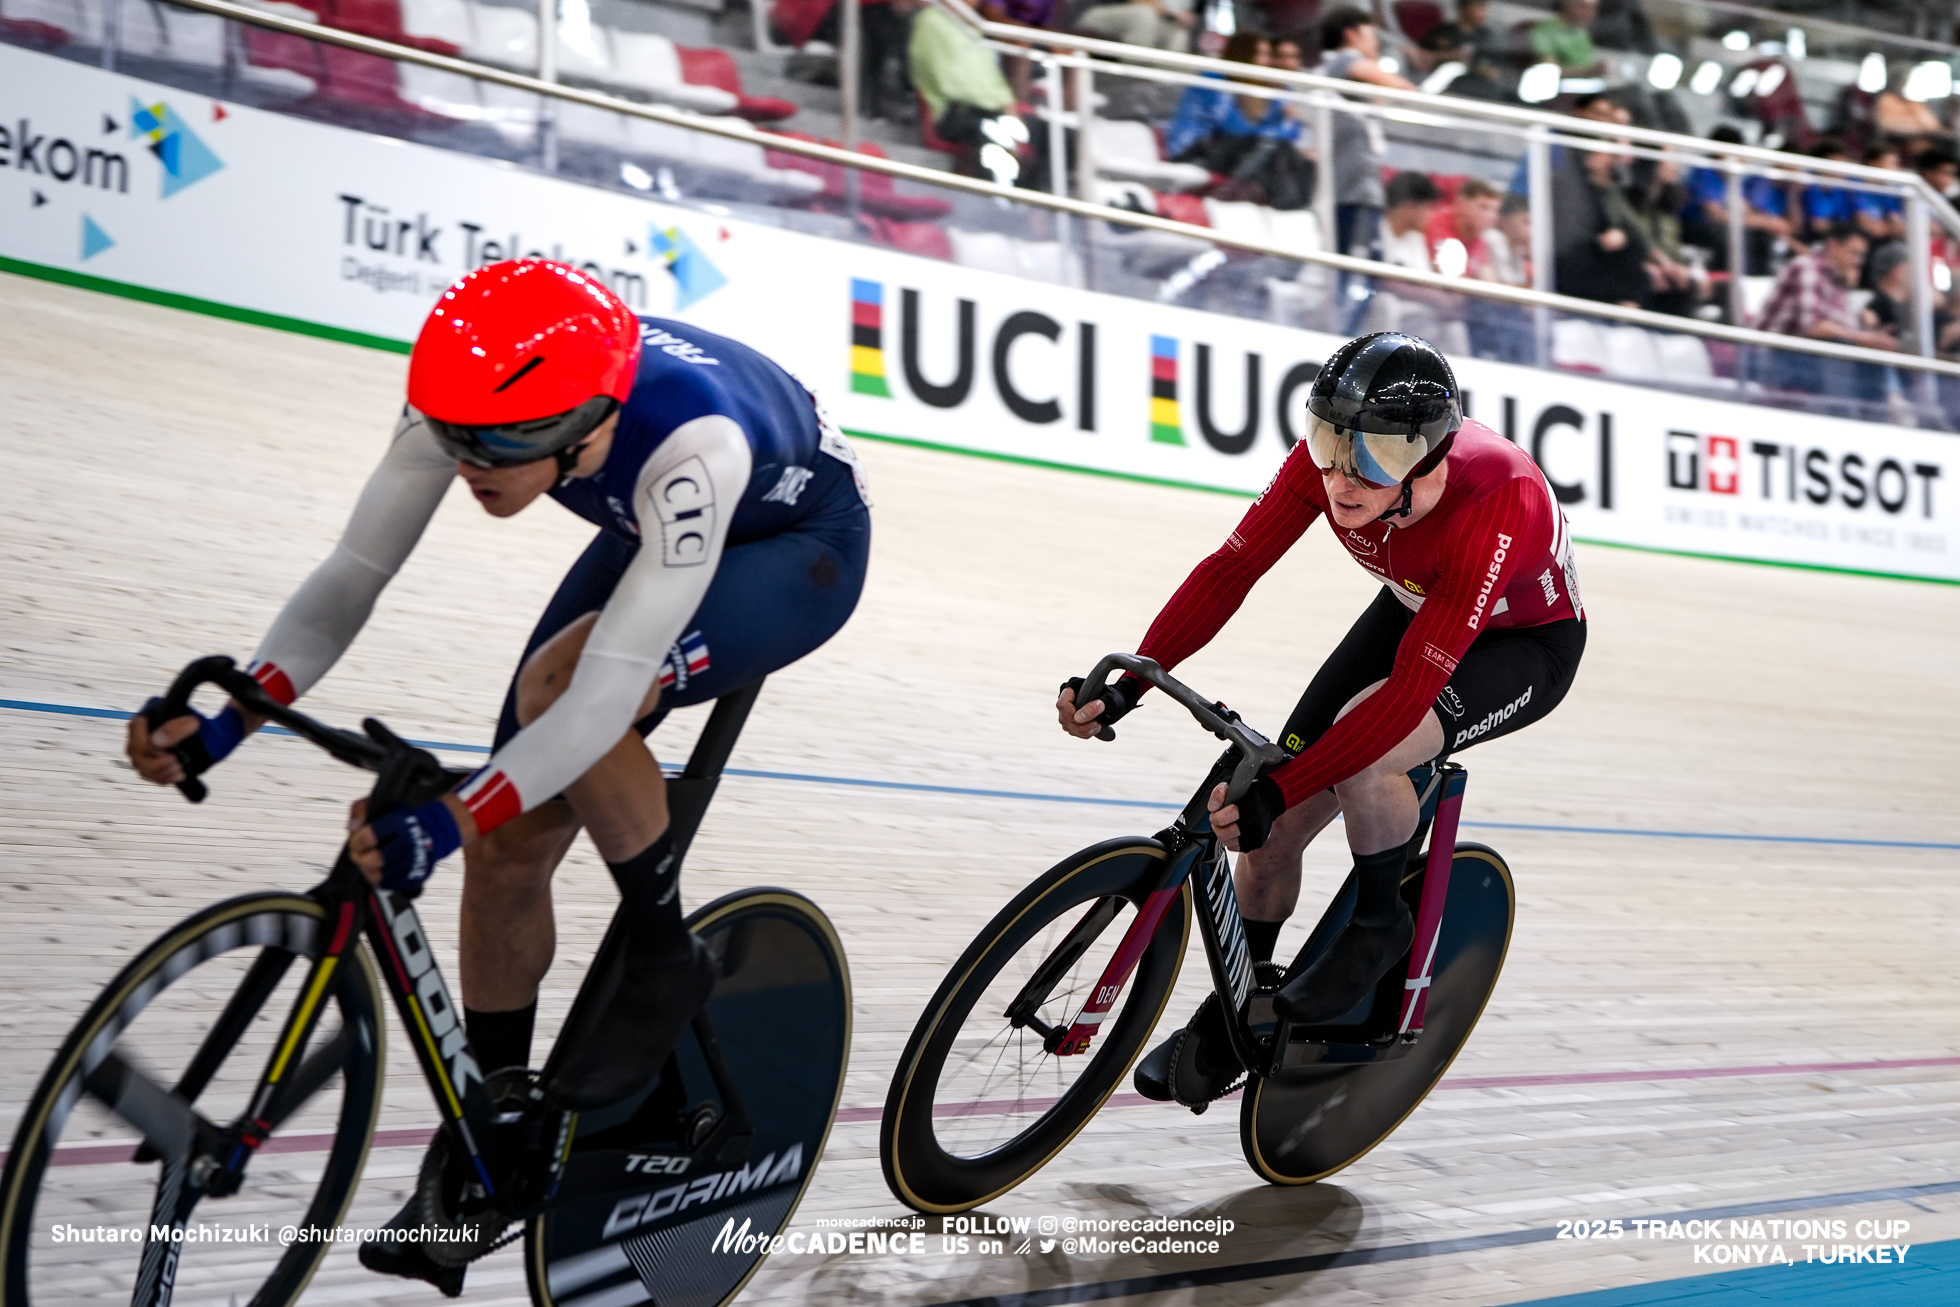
(1257,752)
(368,752)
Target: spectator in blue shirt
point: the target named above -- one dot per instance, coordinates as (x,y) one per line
(1765,213)
(1204,113)
(1881,217)
(1826,204)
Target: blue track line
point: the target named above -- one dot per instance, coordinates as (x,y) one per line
(809,778)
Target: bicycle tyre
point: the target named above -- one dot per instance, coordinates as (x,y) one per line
(781,1012)
(1304,1125)
(289,923)
(920,1172)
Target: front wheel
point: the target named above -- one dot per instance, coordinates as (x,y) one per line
(978,1102)
(1305,1124)
(121,1137)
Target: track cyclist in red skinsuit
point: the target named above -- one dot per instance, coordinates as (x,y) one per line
(1477,632)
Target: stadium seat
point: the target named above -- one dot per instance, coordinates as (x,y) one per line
(651,64)
(505,37)
(1685,359)
(179,36)
(1579,345)
(441,20)
(1630,354)
(36,24)
(1236,218)
(876,192)
(716,68)
(1296,229)
(1128,151)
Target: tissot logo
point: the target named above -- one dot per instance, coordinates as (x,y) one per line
(1794,474)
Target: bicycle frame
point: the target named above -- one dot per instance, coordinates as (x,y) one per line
(496,1145)
(1198,857)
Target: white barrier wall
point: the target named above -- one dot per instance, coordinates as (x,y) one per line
(139,188)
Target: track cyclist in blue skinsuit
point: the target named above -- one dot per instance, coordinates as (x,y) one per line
(733,536)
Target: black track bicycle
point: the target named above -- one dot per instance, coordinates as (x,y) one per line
(1036,1024)
(171,1157)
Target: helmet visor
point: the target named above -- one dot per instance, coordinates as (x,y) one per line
(521,442)
(1375,459)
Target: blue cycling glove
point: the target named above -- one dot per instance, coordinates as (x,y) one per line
(214,741)
(412,842)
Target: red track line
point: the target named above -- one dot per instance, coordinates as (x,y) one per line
(95,1154)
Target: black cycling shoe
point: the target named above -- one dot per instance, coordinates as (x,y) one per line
(407,1257)
(648,1008)
(1195,1065)
(1346,973)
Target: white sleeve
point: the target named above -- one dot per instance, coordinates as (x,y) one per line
(329,609)
(684,498)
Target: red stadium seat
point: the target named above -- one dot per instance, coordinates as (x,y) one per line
(715,68)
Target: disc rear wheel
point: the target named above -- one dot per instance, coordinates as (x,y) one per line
(1306,1123)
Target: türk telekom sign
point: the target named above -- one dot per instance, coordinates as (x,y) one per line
(355,234)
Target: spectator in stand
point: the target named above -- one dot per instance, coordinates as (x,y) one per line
(1161,24)
(1499,330)
(1908,122)
(1249,140)
(1939,167)
(1468,40)
(1826,203)
(960,80)
(1022,13)
(881,27)
(1509,242)
(1765,214)
(1352,51)
(1654,194)
(1889,271)
(1288,57)
(1413,201)
(1458,235)
(1565,39)
(1810,299)
(1880,216)
(1600,249)
(1594,107)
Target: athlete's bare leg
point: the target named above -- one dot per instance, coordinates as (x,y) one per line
(1381,812)
(508,934)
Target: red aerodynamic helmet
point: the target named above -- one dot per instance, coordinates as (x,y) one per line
(521,360)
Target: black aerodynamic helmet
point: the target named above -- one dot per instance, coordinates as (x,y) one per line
(1384,410)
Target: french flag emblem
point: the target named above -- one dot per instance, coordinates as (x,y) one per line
(688,658)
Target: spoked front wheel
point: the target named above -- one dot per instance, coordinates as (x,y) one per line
(979,1102)
(124,1137)
(1312,1120)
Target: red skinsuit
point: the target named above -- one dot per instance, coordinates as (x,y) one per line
(1495,552)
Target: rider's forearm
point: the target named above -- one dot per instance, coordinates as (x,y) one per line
(330,607)
(1218,585)
(684,499)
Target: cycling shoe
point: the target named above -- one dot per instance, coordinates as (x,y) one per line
(650,1003)
(407,1257)
(1346,973)
(1195,1065)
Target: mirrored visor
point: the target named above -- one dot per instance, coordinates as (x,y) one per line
(521,442)
(1377,460)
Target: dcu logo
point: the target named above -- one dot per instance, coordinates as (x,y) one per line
(186,159)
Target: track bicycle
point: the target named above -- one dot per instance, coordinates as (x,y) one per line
(1038,1021)
(263,1116)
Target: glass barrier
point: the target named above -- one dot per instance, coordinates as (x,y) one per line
(1462,212)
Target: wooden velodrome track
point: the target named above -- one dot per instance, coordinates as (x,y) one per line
(1759,1022)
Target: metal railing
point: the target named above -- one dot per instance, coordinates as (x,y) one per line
(1088,210)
